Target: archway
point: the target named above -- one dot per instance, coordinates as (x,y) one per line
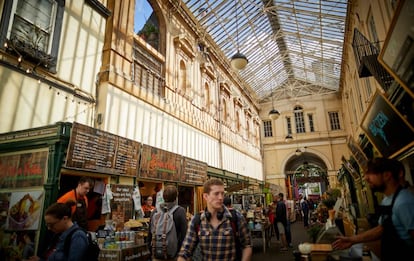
(306,174)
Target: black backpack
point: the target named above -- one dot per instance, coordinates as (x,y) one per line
(92,252)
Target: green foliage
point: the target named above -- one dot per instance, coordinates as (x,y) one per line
(148,29)
(313,231)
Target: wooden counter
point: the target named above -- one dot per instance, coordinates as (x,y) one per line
(138,253)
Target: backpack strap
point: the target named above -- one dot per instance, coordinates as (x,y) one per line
(68,240)
(156,215)
(164,228)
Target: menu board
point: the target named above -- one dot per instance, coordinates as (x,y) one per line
(98,150)
(22,170)
(194,171)
(159,164)
(386,128)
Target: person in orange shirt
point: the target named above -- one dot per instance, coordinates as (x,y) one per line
(148,207)
(78,195)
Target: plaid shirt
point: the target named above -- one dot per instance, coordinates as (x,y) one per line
(216,243)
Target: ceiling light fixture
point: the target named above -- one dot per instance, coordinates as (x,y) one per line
(238,60)
(273,113)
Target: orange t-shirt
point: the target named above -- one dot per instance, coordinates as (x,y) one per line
(70,195)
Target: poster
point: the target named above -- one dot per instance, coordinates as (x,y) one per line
(24,210)
(121,203)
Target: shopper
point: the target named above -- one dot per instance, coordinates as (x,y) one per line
(78,195)
(304,205)
(215,224)
(170,194)
(396,223)
(58,220)
(281,221)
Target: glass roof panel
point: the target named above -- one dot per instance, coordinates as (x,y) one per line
(294,47)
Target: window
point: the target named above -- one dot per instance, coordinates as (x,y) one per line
(368,86)
(310,119)
(267,126)
(299,120)
(33,28)
(373,31)
(334,120)
(207,96)
(289,125)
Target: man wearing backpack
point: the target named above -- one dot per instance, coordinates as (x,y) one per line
(213,231)
(167,227)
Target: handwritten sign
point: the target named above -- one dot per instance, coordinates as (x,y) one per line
(194,171)
(98,150)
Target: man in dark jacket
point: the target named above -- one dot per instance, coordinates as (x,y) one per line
(281,221)
(170,200)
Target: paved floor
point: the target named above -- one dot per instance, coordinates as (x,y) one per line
(299,235)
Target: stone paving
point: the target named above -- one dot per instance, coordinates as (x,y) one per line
(273,253)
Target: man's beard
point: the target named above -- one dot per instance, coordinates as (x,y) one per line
(378,188)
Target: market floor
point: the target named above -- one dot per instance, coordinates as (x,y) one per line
(299,235)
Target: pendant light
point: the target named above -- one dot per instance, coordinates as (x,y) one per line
(238,60)
(273,113)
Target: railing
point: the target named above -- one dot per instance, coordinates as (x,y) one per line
(366,57)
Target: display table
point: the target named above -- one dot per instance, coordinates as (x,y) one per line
(139,253)
(263,234)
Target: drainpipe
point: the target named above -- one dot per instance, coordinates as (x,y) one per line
(219,109)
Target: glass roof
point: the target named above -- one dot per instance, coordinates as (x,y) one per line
(294,48)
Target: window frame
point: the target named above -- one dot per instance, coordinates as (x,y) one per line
(267,128)
(334,120)
(6,23)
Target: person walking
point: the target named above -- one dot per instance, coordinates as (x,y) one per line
(281,221)
(170,194)
(212,233)
(305,211)
(78,195)
(58,219)
(396,223)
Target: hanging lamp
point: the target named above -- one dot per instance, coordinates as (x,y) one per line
(238,61)
(273,113)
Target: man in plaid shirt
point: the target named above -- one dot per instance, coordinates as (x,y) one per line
(214,233)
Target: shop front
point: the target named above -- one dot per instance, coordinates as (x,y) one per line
(29,171)
(39,165)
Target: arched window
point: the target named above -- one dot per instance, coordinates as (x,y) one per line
(207,96)
(238,123)
(299,120)
(183,77)
(146,23)
(224,111)
(247,129)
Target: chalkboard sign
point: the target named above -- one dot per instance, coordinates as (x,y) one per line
(194,171)
(98,150)
(397,55)
(386,129)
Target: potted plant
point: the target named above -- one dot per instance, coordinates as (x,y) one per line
(149,31)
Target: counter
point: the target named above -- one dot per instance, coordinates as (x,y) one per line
(136,253)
